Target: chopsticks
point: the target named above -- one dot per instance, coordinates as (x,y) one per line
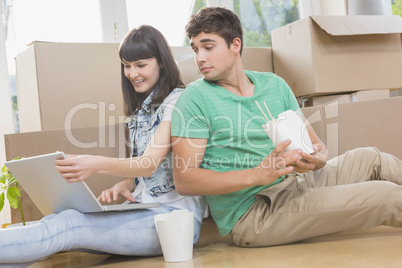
(266,107)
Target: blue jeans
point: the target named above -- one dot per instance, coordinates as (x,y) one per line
(129,233)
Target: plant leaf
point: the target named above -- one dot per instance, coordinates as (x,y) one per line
(12,195)
(8,176)
(1,201)
(2,179)
(4,170)
(14,191)
(11,180)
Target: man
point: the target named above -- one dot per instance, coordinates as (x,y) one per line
(261,194)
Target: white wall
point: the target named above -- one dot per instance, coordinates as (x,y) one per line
(344,7)
(322,7)
(114,20)
(221,3)
(6,118)
(369,7)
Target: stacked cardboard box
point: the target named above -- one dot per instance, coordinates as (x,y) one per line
(337,65)
(364,95)
(347,126)
(324,55)
(68,85)
(82,88)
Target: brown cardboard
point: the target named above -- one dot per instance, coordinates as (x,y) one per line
(360,124)
(189,70)
(395,92)
(326,99)
(363,95)
(322,55)
(366,95)
(104,140)
(253,58)
(257,59)
(315,118)
(68,85)
(368,123)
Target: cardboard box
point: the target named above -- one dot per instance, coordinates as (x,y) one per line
(396,92)
(363,95)
(68,85)
(253,58)
(111,141)
(360,124)
(326,99)
(366,95)
(315,118)
(369,123)
(322,55)
(257,59)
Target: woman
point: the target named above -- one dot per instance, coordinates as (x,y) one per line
(151,84)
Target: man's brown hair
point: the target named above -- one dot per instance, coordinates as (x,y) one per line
(218,20)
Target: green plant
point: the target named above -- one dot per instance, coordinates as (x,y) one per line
(12,193)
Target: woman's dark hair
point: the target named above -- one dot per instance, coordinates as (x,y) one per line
(147,42)
(218,20)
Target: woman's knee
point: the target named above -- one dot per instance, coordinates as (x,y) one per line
(70,213)
(67,217)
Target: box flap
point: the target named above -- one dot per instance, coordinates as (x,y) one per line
(358,25)
(39,42)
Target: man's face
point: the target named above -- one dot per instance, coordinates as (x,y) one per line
(214,59)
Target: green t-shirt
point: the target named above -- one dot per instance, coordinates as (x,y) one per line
(236,139)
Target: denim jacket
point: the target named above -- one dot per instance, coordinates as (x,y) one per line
(142,128)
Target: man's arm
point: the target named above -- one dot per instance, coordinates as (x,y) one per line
(191,179)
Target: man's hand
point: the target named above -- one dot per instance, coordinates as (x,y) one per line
(277,164)
(309,162)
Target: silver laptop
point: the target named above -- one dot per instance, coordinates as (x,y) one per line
(51,193)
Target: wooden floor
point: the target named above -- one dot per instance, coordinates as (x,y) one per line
(380,247)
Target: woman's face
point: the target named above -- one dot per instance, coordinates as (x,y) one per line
(143,74)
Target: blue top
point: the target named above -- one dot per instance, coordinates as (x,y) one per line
(142,128)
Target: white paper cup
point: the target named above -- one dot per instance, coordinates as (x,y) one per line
(176,233)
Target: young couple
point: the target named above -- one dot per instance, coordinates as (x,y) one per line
(257,193)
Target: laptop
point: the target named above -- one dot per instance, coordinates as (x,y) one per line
(51,193)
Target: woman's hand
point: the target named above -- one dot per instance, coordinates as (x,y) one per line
(78,167)
(123,188)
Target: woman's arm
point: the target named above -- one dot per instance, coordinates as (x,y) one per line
(80,167)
